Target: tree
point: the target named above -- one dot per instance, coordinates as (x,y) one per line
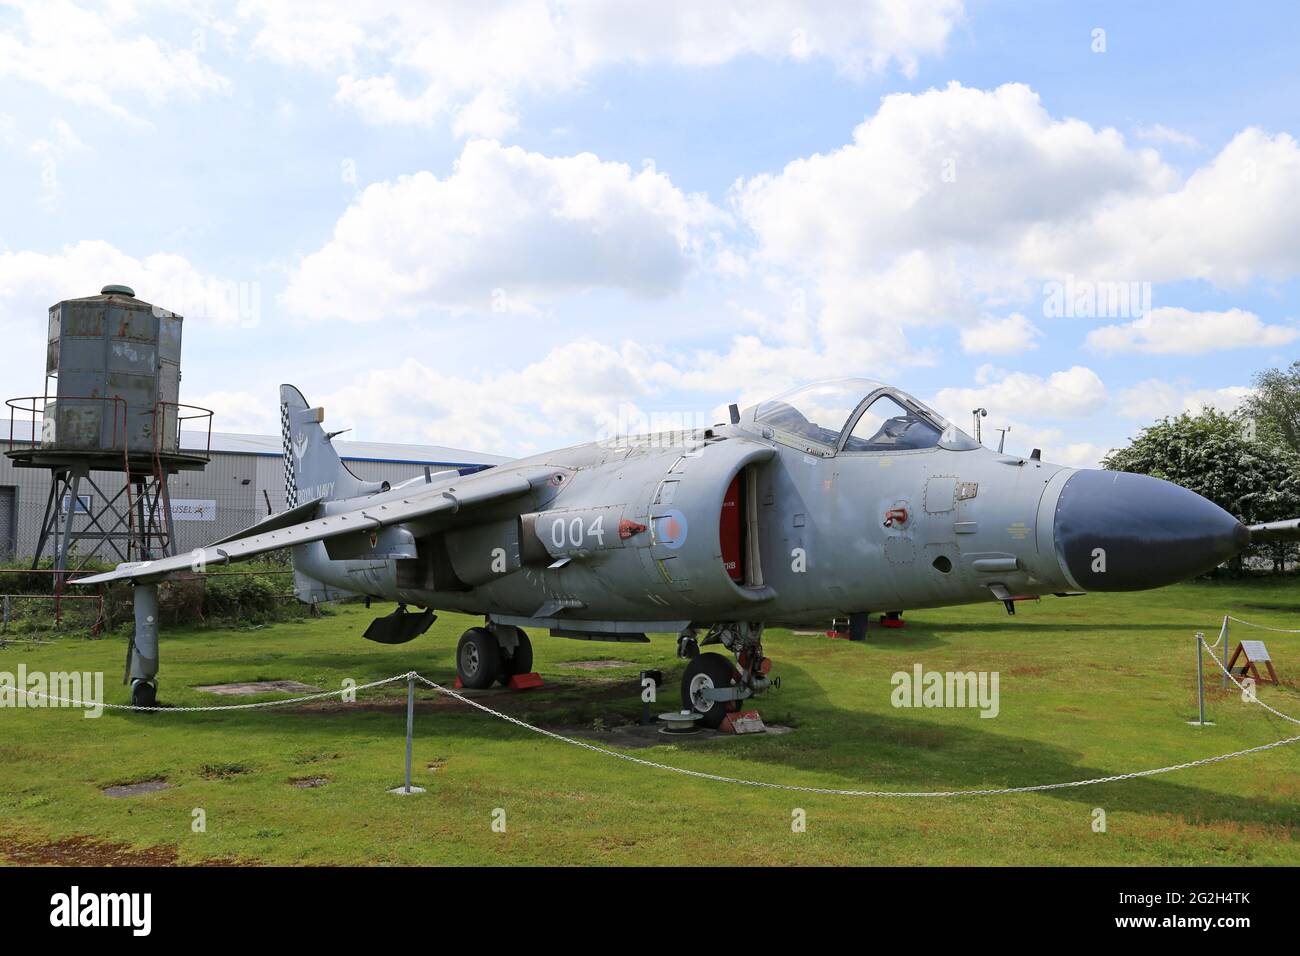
(1221,458)
(1274,408)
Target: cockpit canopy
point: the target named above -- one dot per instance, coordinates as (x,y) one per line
(856,415)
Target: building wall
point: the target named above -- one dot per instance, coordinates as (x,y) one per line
(228,494)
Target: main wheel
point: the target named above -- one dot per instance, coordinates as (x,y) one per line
(702,673)
(478,658)
(518,661)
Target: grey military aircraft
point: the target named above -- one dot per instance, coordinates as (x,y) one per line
(829,501)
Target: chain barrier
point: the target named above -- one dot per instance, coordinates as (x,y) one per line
(719,778)
(1263,627)
(829,791)
(198,710)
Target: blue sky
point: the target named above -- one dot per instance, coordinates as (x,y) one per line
(512,225)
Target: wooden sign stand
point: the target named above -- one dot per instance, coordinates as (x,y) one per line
(1252,654)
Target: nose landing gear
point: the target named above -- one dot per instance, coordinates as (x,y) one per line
(713,686)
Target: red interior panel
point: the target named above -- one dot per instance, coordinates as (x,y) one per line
(729,531)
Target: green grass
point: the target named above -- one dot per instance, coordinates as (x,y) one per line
(1090,686)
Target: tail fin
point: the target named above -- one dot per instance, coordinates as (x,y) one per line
(312,468)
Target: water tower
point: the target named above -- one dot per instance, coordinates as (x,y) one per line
(110,434)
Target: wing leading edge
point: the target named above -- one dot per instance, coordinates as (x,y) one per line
(466,492)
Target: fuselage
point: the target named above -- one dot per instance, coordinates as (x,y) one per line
(740,523)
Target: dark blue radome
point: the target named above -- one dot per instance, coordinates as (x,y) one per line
(1117,531)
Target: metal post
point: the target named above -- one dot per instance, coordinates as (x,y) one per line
(1227,651)
(410,725)
(1200,683)
(1200,677)
(406,788)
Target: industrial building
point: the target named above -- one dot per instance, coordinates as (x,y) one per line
(246,472)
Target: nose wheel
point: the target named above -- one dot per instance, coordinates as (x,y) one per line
(705,674)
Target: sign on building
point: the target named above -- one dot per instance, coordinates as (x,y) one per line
(194,509)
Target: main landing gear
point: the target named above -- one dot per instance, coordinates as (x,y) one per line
(713,686)
(490,654)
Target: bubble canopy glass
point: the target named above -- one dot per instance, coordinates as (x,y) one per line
(856,415)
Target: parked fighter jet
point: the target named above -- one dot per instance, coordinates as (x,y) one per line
(827,501)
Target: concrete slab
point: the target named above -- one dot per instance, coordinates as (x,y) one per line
(135,789)
(247,688)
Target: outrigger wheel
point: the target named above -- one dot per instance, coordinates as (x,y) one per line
(143,694)
(703,673)
(478,658)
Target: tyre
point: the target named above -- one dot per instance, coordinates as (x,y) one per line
(144,694)
(703,672)
(478,658)
(518,661)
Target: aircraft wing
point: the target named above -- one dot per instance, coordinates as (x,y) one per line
(466,492)
(1288,530)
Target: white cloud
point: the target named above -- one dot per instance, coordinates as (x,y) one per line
(957,167)
(1006,336)
(240,411)
(1071,393)
(921,218)
(506,229)
(1176,331)
(1159,133)
(1234,219)
(957,202)
(30,282)
(87,57)
(413,63)
(572,394)
(1156,398)
(490,114)
(49,152)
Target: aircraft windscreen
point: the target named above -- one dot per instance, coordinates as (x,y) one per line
(887,426)
(816,412)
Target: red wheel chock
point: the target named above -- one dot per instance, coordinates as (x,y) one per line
(525,681)
(742,722)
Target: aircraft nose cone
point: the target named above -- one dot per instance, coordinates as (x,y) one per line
(1117,531)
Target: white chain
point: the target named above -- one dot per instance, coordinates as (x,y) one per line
(852,793)
(193,710)
(1263,627)
(699,774)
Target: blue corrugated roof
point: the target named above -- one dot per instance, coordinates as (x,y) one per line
(270,445)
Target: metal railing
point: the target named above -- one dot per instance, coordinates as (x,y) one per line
(28,405)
